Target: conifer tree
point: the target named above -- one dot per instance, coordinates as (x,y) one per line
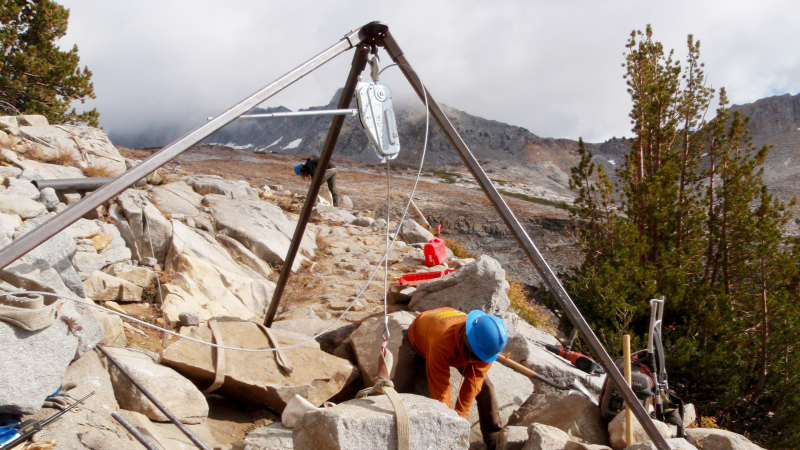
(36,77)
(691,220)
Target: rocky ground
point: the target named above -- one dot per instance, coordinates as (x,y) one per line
(448,196)
(197,250)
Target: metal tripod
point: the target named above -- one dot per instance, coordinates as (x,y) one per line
(370,35)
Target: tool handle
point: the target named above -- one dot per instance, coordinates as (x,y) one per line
(578,360)
(553,348)
(23,437)
(30,427)
(56,416)
(508,362)
(26,430)
(568,355)
(571,356)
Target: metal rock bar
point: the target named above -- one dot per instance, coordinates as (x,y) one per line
(359,63)
(76,184)
(544,270)
(155,401)
(134,431)
(321,112)
(28,242)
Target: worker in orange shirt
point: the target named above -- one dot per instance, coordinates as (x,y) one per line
(444,338)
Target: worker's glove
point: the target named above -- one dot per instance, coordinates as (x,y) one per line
(61,399)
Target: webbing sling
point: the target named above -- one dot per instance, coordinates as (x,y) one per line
(219,363)
(28,312)
(384,386)
(219,352)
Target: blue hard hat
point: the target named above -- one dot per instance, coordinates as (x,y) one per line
(487,335)
(297,168)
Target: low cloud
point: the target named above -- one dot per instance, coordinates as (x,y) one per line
(161,68)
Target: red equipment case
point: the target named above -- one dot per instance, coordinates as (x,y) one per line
(435,252)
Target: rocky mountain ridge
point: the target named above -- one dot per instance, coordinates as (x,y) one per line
(507,149)
(489,140)
(774,121)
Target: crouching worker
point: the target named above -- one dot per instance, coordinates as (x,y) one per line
(444,338)
(307,169)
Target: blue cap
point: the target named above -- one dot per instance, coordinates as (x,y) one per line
(487,335)
(297,168)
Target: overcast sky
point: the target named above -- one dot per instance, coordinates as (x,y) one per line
(553,67)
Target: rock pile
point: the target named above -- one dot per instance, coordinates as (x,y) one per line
(577,416)
(212,245)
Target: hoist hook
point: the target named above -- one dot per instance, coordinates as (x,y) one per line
(375,69)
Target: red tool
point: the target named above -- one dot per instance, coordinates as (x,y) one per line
(578,360)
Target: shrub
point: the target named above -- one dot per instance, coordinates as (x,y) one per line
(5,141)
(65,157)
(536,315)
(60,155)
(458,249)
(150,293)
(98,171)
(708,422)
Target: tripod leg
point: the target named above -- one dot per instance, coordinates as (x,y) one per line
(359,62)
(544,270)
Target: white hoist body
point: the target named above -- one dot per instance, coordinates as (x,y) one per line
(377,117)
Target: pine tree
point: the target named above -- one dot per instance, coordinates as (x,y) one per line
(695,224)
(36,77)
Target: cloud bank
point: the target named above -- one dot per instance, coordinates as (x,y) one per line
(161,68)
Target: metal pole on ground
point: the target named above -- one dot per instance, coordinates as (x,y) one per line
(544,270)
(134,431)
(359,63)
(155,401)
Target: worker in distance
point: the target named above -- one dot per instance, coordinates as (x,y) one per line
(444,338)
(307,169)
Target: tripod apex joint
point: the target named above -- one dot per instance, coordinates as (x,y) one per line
(370,31)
